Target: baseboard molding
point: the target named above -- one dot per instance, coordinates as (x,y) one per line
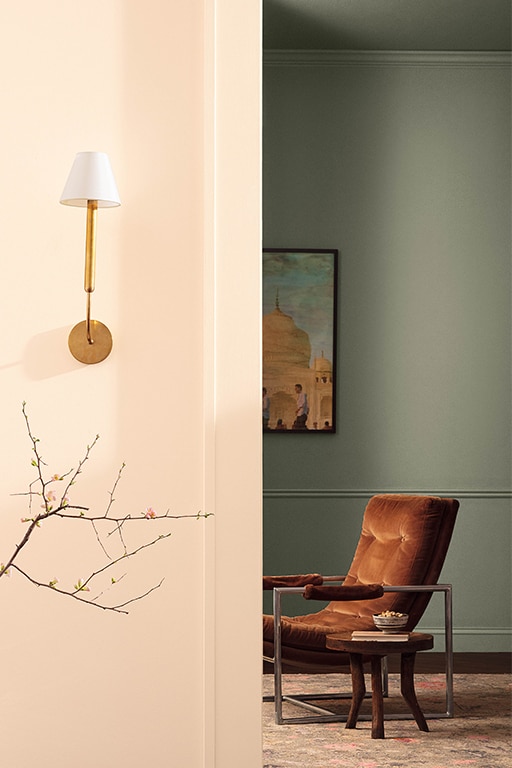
(469,631)
(473,639)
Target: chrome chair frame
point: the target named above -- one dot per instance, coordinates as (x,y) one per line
(323,715)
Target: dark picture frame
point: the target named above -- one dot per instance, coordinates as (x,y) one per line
(300,308)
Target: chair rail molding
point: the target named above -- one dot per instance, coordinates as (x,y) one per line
(308,58)
(363,493)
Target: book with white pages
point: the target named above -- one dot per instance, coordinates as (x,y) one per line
(397,637)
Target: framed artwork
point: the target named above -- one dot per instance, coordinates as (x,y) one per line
(299,340)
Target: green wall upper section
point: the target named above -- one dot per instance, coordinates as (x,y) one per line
(406,170)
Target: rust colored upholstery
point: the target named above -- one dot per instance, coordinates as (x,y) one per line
(354,592)
(404,540)
(301,580)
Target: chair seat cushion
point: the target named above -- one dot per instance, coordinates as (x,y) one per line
(309,632)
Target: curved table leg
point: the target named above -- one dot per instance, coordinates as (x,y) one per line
(377,700)
(358,688)
(407,689)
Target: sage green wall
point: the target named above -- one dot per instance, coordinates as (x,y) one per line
(405,168)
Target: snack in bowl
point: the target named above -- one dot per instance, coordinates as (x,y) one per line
(390,621)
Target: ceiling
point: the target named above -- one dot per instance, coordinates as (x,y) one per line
(392,25)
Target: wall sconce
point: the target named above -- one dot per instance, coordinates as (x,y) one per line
(90,185)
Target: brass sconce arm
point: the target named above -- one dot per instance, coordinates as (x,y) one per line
(90,262)
(90,246)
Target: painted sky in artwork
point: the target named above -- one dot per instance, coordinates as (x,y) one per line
(304,282)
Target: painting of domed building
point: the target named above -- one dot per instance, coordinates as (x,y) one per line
(299,322)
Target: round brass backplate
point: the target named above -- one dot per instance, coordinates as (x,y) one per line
(83,350)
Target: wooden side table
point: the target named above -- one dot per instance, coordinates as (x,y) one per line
(375,650)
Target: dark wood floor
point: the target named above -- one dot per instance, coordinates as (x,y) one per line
(463,663)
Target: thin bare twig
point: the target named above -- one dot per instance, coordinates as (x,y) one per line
(79,595)
(123,557)
(64,510)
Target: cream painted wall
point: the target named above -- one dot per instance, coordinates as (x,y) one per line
(81,687)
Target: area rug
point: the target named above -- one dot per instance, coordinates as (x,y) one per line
(478,736)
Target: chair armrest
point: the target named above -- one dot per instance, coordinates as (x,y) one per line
(353,592)
(417,587)
(298,580)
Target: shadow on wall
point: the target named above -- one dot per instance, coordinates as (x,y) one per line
(47,355)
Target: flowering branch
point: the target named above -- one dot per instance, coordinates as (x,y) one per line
(54,506)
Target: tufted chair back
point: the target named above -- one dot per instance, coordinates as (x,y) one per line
(404,540)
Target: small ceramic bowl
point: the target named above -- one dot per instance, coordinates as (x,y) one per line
(390,623)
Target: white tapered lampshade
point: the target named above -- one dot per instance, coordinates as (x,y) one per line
(91,178)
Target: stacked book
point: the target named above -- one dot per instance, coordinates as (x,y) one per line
(398,637)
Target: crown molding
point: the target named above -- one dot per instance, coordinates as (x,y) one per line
(307,58)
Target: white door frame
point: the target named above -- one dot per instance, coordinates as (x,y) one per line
(232,396)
